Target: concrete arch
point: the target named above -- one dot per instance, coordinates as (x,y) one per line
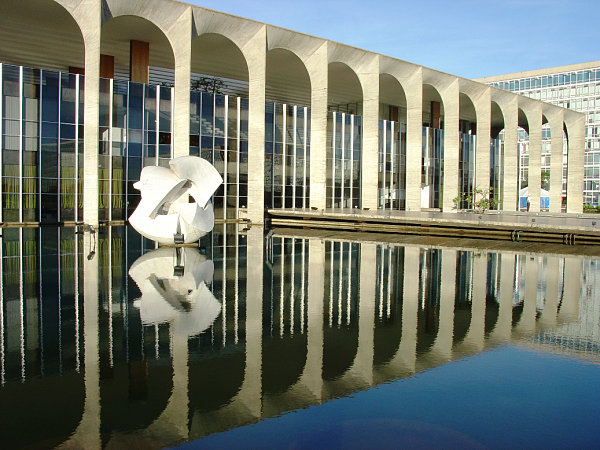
(497,119)
(432,94)
(344,86)
(41,33)
(287,79)
(340,346)
(467,109)
(278,378)
(391,90)
(217,55)
(117,32)
(135,395)
(162,15)
(31,402)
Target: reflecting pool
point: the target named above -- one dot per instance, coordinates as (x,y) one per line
(107,340)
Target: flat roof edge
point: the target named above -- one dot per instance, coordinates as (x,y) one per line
(538,72)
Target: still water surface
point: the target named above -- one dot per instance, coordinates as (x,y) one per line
(108,341)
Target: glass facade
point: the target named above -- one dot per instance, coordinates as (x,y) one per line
(287,156)
(135,130)
(574,89)
(344,148)
(432,168)
(496,172)
(41,124)
(219,134)
(392,165)
(466,167)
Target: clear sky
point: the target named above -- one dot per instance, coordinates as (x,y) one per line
(470,38)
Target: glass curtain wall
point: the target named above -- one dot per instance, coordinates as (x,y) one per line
(392,165)
(135,130)
(432,164)
(344,160)
(41,150)
(496,172)
(466,166)
(287,156)
(219,134)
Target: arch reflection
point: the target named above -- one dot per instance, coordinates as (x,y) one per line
(166,345)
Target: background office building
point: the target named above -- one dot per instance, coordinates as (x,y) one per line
(575,87)
(94,90)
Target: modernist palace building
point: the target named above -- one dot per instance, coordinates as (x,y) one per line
(93,90)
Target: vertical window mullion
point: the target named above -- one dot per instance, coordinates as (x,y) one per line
(392,156)
(295,123)
(239,151)
(343,149)
(1,161)
(305,135)
(111,94)
(39,160)
(351,160)
(157,124)
(225,155)
(333,159)
(75,215)
(21,144)
(283,153)
(172,89)
(384,170)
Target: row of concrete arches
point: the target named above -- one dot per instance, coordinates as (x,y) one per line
(270,63)
(219,46)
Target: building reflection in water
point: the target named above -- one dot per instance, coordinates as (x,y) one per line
(139,344)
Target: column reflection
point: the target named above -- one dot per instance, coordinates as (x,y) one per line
(166,345)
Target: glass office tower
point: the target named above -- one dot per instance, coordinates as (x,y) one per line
(574,87)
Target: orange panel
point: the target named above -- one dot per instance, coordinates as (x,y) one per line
(139,61)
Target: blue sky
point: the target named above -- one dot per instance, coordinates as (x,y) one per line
(470,38)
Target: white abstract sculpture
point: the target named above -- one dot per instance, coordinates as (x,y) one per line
(164,214)
(172,282)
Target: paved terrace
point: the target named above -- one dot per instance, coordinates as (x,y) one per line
(571,229)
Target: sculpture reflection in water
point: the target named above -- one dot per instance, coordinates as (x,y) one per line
(308,320)
(173,285)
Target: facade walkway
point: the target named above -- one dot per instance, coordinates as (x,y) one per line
(571,229)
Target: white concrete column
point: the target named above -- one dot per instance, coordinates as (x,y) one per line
(556,118)
(510,181)
(369,78)
(87,434)
(313,369)
(88,15)
(413,88)
(534,117)
(483,107)
(575,159)
(450,97)
(405,358)
(173,423)
(526,325)
(363,362)
(569,308)
(548,317)
(442,346)
(317,67)
(503,328)
(181,40)
(251,391)
(474,339)
(255,52)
